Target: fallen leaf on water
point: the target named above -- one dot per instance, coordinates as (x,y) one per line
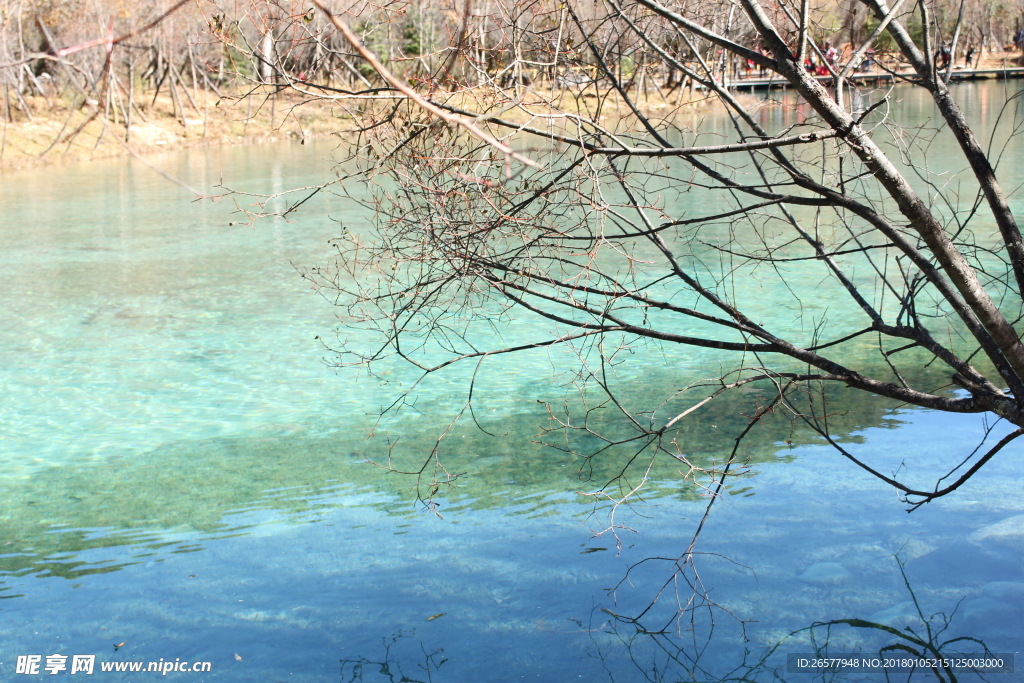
(436,616)
(238,656)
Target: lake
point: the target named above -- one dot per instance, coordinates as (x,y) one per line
(185,475)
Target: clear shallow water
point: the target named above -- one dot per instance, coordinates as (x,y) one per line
(182,474)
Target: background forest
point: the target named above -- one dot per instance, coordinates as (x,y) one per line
(55,54)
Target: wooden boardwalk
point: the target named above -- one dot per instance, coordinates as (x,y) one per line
(879,78)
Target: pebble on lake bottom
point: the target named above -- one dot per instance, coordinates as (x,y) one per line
(825,573)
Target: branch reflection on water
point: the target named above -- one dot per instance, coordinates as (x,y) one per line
(710,650)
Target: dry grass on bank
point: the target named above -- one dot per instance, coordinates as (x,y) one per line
(51,133)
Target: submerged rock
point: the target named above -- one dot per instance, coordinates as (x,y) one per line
(1009,530)
(989,612)
(825,573)
(899,616)
(967,564)
(1011,591)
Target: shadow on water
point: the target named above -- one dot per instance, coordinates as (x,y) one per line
(215,487)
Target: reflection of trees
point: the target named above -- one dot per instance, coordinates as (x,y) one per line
(623,655)
(388,668)
(695,646)
(660,658)
(928,640)
(713,647)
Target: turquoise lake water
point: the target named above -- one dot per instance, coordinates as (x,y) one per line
(184,477)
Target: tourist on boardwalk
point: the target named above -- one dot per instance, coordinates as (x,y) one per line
(830,56)
(867,62)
